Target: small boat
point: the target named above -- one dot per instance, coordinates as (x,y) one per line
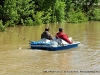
(54,45)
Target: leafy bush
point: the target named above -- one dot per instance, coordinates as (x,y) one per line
(37,12)
(38,18)
(1,11)
(10,23)
(28,21)
(94,14)
(46,18)
(3,27)
(9,12)
(25,9)
(60,11)
(76,16)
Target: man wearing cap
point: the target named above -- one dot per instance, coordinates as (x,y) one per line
(46,34)
(63,36)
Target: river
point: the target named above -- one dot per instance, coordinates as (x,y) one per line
(16,57)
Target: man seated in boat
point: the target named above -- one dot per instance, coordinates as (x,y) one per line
(46,34)
(63,36)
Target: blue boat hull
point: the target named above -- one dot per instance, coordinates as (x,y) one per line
(54,48)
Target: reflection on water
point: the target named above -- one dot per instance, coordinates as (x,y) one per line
(16,57)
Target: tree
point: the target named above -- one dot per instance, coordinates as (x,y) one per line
(10,12)
(60,10)
(25,9)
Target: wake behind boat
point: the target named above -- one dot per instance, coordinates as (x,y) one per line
(54,45)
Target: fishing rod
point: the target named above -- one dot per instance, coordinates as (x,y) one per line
(20,36)
(61,43)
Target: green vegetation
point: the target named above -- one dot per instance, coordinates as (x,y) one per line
(3,27)
(94,14)
(38,12)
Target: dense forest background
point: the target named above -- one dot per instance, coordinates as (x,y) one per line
(37,12)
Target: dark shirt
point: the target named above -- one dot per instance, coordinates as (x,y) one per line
(46,35)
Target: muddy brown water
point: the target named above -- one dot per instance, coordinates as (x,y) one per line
(16,57)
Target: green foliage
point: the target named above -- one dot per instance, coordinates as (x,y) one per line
(1,12)
(46,18)
(25,9)
(94,14)
(22,22)
(10,12)
(3,27)
(38,18)
(37,12)
(29,21)
(76,16)
(10,23)
(60,11)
